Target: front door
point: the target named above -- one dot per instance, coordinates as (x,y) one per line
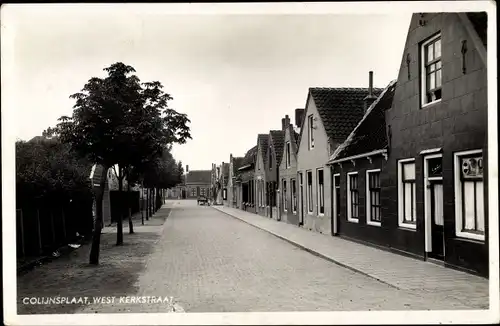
(434,228)
(301,214)
(437,225)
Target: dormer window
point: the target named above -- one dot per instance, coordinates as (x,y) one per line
(431,70)
(310,121)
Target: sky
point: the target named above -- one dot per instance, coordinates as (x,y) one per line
(234,75)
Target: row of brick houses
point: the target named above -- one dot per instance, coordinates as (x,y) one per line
(401,168)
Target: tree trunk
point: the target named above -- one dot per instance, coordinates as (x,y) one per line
(119,224)
(96,236)
(130,224)
(146,204)
(142,202)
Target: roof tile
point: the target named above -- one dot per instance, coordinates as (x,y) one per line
(370,133)
(340,109)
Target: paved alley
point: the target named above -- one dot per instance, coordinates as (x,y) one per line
(208,261)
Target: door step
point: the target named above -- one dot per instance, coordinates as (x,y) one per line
(436,261)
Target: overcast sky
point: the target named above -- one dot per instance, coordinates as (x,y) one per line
(234,75)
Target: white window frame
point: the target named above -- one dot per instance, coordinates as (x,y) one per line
(283,194)
(423,79)
(318,194)
(261,194)
(368,198)
(458,197)
(349,208)
(309,192)
(310,121)
(334,201)
(294,200)
(287,154)
(401,222)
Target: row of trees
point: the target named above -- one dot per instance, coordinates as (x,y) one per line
(122,123)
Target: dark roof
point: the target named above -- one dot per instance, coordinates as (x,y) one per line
(340,109)
(278,140)
(250,157)
(199,177)
(480,22)
(237,163)
(225,172)
(370,134)
(262,139)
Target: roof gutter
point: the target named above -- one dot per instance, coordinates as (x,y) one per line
(245,167)
(350,158)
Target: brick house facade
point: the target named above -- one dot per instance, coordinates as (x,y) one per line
(260,189)
(274,154)
(436,122)
(288,186)
(433,187)
(330,115)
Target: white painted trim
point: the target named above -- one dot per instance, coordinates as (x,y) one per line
(458,197)
(349,213)
(317,192)
(401,224)
(422,70)
(368,199)
(294,211)
(349,139)
(310,210)
(431,150)
(351,158)
(334,202)
(427,201)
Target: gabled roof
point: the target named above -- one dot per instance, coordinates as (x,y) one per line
(262,139)
(340,109)
(370,133)
(237,163)
(479,21)
(278,140)
(225,172)
(199,177)
(249,158)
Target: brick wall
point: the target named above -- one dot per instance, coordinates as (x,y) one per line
(456,123)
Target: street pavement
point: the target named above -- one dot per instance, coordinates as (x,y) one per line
(208,261)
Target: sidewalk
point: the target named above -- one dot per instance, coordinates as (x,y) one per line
(398,271)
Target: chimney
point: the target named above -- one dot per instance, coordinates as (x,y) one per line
(287,122)
(187,168)
(299,116)
(283,124)
(370,98)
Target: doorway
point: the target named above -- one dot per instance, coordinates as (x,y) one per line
(301,187)
(434,217)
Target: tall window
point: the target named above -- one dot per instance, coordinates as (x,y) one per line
(309,192)
(193,192)
(407,194)
(353,197)
(310,121)
(469,192)
(373,208)
(336,180)
(287,162)
(431,70)
(321,192)
(294,196)
(285,201)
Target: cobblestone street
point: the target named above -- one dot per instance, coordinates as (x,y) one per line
(209,261)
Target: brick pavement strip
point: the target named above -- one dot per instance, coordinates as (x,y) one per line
(203,260)
(208,261)
(405,273)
